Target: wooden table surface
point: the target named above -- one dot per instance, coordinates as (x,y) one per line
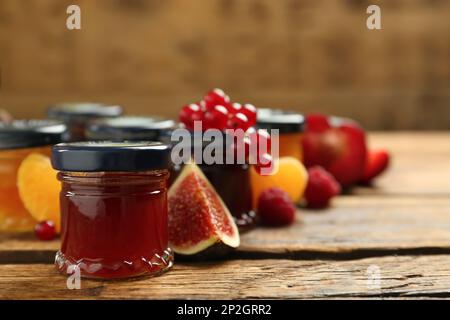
(399,230)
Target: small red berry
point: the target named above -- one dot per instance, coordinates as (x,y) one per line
(250,111)
(45,230)
(376,162)
(202,105)
(216,97)
(260,138)
(322,186)
(190,113)
(215,118)
(241,149)
(263,140)
(238,121)
(235,108)
(275,208)
(264,161)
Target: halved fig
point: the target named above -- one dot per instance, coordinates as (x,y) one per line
(199,221)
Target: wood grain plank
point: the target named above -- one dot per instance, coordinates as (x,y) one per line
(409,209)
(408,276)
(353,227)
(420,164)
(364,225)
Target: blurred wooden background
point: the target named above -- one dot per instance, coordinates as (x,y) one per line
(153,56)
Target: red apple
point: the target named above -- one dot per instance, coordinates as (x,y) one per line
(338,145)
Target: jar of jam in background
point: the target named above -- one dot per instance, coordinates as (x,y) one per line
(113,208)
(291,126)
(231,181)
(77,116)
(18,139)
(131,128)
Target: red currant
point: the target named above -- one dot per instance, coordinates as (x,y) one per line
(202,105)
(190,113)
(250,111)
(259,138)
(45,230)
(264,162)
(216,118)
(238,121)
(263,139)
(235,108)
(242,147)
(216,97)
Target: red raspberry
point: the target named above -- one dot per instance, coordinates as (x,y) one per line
(45,230)
(322,186)
(275,208)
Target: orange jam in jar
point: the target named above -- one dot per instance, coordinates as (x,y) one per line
(113,208)
(17,140)
(290,126)
(77,116)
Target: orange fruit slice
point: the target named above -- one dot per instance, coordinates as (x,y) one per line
(39,188)
(291,177)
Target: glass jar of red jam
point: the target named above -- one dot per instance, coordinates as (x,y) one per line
(77,116)
(290,126)
(131,128)
(113,208)
(18,139)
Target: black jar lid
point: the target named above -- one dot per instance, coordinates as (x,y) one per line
(130,128)
(74,110)
(30,133)
(110,156)
(284,120)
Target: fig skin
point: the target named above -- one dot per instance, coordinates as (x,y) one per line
(216,252)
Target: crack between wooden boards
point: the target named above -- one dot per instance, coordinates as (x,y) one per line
(48,256)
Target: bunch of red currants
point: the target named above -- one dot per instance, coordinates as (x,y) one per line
(217,111)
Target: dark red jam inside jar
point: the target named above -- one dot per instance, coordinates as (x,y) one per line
(232,182)
(114,209)
(77,116)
